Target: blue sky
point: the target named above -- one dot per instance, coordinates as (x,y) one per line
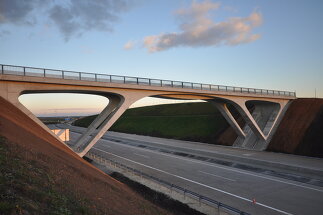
(279,45)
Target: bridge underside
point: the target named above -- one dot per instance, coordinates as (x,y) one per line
(260,124)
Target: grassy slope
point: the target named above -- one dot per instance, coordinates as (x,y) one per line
(25,186)
(188,121)
(40,175)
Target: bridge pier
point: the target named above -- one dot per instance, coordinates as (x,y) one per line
(223,108)
(114,102)
(267,116)
(105,120)
(260,125)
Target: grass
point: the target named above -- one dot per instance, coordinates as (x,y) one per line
(187,121)
(26,187)
(85,121)
(196,128)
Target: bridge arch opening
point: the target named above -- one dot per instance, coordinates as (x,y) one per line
(264,113)
(54,104)
(64,107)
(195,119)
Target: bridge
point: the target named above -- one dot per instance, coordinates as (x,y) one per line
(268,109)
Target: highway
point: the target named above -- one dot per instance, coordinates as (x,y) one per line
(232,186)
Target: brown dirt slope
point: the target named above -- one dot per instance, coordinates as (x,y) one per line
(301,130)
(107,195)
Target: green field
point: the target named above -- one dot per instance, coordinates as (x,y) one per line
(187,121)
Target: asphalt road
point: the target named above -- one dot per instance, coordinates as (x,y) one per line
(231,186)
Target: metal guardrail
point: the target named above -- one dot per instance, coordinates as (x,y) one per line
(72,75)
(200,198)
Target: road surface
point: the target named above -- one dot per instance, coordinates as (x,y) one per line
(232,186)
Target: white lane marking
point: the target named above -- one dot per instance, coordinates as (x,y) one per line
(247,154)
(229,179)
(166,144)
(221,167)
(145,156)
(195,182)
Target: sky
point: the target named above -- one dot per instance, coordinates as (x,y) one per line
(250,43)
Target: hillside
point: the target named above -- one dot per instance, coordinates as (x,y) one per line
(39,175)
(301,130)
(185,121)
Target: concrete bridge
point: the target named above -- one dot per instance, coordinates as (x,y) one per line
(122,91)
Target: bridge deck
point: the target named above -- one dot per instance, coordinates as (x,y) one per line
(145,83)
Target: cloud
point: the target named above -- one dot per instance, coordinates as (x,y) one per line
(129,45)
(72,18)
(4,33)
(197,29)
(16,11)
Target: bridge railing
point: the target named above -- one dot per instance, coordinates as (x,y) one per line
(202,199)
(72,75)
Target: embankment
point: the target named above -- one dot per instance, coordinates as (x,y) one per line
(200,122)
(39,173)
(301,130)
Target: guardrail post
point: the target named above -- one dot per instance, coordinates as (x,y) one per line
(80,78)
(95,77)
(44,72)
(192,86)
(161,83)
(172,83)
(226,88)
(182,85)
(24,71)
(2,69)
(201,87)
(63,74)
(137,81)
(124,79)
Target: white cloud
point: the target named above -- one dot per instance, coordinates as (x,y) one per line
(129,45)
(197,29)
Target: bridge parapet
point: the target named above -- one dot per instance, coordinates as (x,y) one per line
(105,78)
